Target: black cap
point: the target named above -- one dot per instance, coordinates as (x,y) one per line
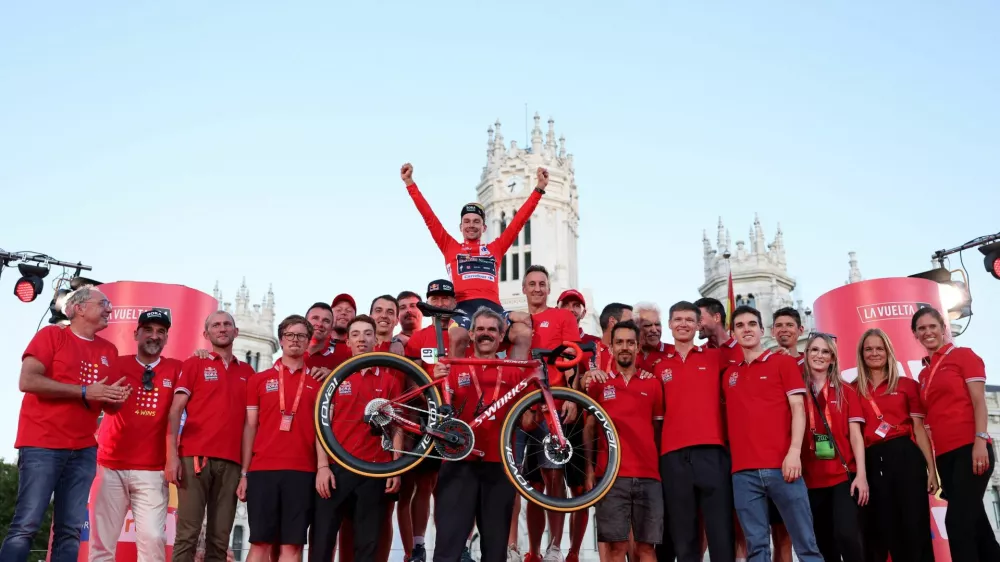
(155,316)
(440,287)
(474,208)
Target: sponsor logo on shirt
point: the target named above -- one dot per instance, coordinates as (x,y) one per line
(104,361)
(609,393)
(271,385)
(345,388)
(544,324)
(464,379)
(211,374)
(732,379)
(668,375)
(484,250)
(167,383)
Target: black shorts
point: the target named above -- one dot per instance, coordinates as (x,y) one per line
(466,309)
(280,506)
(635,503)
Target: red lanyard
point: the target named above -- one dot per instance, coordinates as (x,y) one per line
(826,409)
(479,390)
(930,377)
(281,390)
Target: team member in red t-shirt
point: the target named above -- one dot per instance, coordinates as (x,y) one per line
(64,372)
(475,490)
(953,388)
(205,463)
(695,465)
(474,266)
(130,451)
(279,448)
(651,349)
(635,405)
(766,423)
(410,317)
(834,420)
(900,472)
(322,352)
(551,327)
(341,491)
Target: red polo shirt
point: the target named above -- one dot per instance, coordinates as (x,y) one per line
(589,359)
(331,357)
(647,360)
(494,384)
(732,353)
(552,327)
(842,411)
(692,394)
(274,449)
(757,411)
(422,347)
(349,403)
(216,407)
(896,408)
(633,407)
(64,423)
(133,437)
(950,414)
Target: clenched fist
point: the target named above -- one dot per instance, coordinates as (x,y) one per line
(543,178)
(406,173)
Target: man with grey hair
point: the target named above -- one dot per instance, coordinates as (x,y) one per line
(205,464)
(64,378)
(652,350)
(463,486)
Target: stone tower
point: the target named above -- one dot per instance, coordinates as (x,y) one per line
(760,274)
(257,342)
(550,236)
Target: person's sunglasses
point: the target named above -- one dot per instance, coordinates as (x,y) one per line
(821,334)
(147,378)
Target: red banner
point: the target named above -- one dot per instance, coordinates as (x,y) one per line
(887,304)
(188,308)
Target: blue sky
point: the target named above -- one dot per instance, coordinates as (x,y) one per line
(194,142)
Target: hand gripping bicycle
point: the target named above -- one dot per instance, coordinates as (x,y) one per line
(586,449)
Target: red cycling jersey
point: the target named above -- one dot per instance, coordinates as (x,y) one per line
(472,265)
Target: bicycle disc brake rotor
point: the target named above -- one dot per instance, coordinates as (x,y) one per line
(454,451)
(554,453)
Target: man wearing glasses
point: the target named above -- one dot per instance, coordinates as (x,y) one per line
(64,377)
(131,452)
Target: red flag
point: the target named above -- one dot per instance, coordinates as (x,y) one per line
(730,301)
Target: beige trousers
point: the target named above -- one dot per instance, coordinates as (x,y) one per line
(113,493)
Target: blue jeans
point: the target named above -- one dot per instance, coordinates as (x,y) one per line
(751,490)
(42,472)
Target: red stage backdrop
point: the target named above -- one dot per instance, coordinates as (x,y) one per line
(887,304)
(187,309)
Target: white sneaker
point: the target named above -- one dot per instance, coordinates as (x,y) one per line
(553,554)
(513,555)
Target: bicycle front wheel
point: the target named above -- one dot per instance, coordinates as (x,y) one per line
(524,450)
(348,434)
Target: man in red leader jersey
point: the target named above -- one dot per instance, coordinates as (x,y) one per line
(473,266)
(694,463)
(279,448)
(634,402)
(652,350)
(130,453)
(64,372)
(205,463)
(341,491)
(551,327)
(475,489)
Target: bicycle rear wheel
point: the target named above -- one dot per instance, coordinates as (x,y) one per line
(384,415)
(572,460)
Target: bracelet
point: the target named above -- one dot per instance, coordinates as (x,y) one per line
(542,191)
(243,474)
(326,466)
(83,395)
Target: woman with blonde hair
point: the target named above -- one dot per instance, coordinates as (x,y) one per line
(833,453)
(898,519)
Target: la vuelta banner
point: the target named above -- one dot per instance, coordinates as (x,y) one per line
(187,308)
(887,304)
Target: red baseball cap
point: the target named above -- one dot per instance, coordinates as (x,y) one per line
(344,297)
(571,294)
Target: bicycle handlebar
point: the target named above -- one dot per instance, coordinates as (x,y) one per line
(560,359)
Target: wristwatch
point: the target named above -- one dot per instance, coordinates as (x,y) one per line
(984,436)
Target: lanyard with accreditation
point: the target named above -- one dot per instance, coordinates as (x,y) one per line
(286,419)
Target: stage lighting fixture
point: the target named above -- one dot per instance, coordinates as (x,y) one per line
(991,258)
(30,284)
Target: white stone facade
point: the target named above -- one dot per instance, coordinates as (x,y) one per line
(257,343)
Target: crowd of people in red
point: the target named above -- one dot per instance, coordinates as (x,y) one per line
(726,446)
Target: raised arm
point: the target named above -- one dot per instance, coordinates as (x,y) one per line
(438,232)
(508,236)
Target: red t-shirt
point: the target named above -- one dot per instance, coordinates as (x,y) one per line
(552,327)
(349,403)
(274,449)
(950,414)
(331,357)
(759,418)
(897,409)
(422,347)
(134,436)
(495,383)
(732,352)
(633,407)
(647,360)
(589,359)
(64,423)
(472,266)
(692,393)
(820,473)
(216,407)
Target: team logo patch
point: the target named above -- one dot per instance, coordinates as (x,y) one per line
(544,324)
(668,375)
(609,393)
(345,389)
(732,379)
(211,374)
(271,385)
(104,361)
(167,383)
(483,250)
(464,379)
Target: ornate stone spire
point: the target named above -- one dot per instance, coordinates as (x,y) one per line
(855,274)
(217,293)
(721,242)
(489,145)
(550,137)
(536,135)
(562,146)
(498,147)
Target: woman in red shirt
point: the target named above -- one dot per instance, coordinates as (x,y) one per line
(901,472)
(833,454)
(953,389)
